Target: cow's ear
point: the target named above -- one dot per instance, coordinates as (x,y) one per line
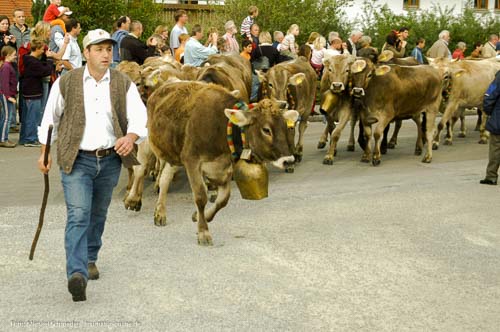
(386,56)
(154,78)
(430,60)
(382,70)
(261,76)
(297,79)
(236,94)
(291,116)
(238,117)
(358,66)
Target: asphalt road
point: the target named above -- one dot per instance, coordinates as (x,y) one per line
(348,247)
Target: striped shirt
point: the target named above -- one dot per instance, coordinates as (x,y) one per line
(245,26)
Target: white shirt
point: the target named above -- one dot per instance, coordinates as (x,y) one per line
(73,53)
(98,132)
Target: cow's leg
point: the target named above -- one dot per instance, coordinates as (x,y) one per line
(330,126)
(419,145)
(130,180)
(483,133)
(367,134)
(343,118)
(160,164)
(362,136)
(448,112)
(378,135)
(429,133)
(383,144)
(166,176)
(219,175)
(351,143)
(200,198)
(479,119)
(300,144)
(133,200)
(394,139)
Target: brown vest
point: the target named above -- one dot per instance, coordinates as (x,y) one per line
(72,123)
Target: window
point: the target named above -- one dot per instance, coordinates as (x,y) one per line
(413,3)
(481,4)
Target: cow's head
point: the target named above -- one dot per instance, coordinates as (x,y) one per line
(337,72)
(280,84)
(362,73)
(267,126)
(133,71)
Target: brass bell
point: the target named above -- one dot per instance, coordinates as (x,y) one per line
(252,179)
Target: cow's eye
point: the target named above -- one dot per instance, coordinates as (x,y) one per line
(267,131)
(270,86)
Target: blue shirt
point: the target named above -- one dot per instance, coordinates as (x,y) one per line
(195,53)
(117,36)
(417,54)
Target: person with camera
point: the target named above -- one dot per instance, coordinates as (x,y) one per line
(195,53)
(5,37)
(134,49)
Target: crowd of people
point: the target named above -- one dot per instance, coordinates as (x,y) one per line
(31,58)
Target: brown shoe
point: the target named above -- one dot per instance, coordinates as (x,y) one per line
(77,286)
(93,271)
(8,144)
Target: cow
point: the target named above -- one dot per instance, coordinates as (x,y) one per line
(336,103)
(187,124)
(293,81)
(466,81)
(395,92)
(242,66)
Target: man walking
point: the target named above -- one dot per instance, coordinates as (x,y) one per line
(98,116)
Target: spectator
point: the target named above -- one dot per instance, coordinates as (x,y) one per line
(491,107)
(181,19)
(318,54)
(331,36)
(133,49)
(394,44)
(366,50)
(247,49)
(254,34)
(417,51)
(161,47)
(440,47)
(336,47)
(194,52)
(55,10)
(36,67)
(459,51)
(490,48)
(288,47)
(266,49)
(352,40)
(478,47)
(8,92)
(403,34)
(231,44)
(278,39)
(312,38)
(57,32)
(72,58)
(162,30)
(123,28)
(179,52)
(5,37)
(19,29)
(248,21)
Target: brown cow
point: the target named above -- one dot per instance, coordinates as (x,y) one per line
(395,92)
(295,82)
(187,127)
(467,81)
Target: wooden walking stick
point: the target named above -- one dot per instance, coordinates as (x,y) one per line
(45,193)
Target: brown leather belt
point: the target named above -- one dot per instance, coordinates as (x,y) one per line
(99,153)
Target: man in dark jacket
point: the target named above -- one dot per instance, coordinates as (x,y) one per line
(491,106)
(133,49)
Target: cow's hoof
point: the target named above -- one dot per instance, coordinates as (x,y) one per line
(205,239)
(365,160)
(418,152)
(212,196)
(435,146)
(376,162)
(160,220)
(133,205)
(194,216)
(328,161)
(383,150)
(427,159)
(290,168)
(298,157)
(391,145)
(350,148)
(483,141)
(448,142)
(321,145)
(461,135)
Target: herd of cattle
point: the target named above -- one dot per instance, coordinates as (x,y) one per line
(189,110)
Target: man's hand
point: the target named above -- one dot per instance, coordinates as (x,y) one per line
(125,144)
(41,166)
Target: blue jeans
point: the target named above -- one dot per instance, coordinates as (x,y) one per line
(5,110)
(32,116)
(87,192)
(45,95)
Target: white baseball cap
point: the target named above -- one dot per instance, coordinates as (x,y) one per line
(96,36)
(61,8)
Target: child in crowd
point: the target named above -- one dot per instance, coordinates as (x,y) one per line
(8,91)
(459,51)
(417,51)
(288,46)
(253,12)
(55,10)
(478,46)
(318,53)
(247,49)
(36,67)
(179,52)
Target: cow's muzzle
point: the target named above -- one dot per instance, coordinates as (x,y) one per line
(280,163)
(337,87)
(358,92)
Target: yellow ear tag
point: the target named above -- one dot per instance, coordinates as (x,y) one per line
(380,71)
(290,123)
(458,74)
(299,80)
(155,80)
(359,68)
(233,119)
